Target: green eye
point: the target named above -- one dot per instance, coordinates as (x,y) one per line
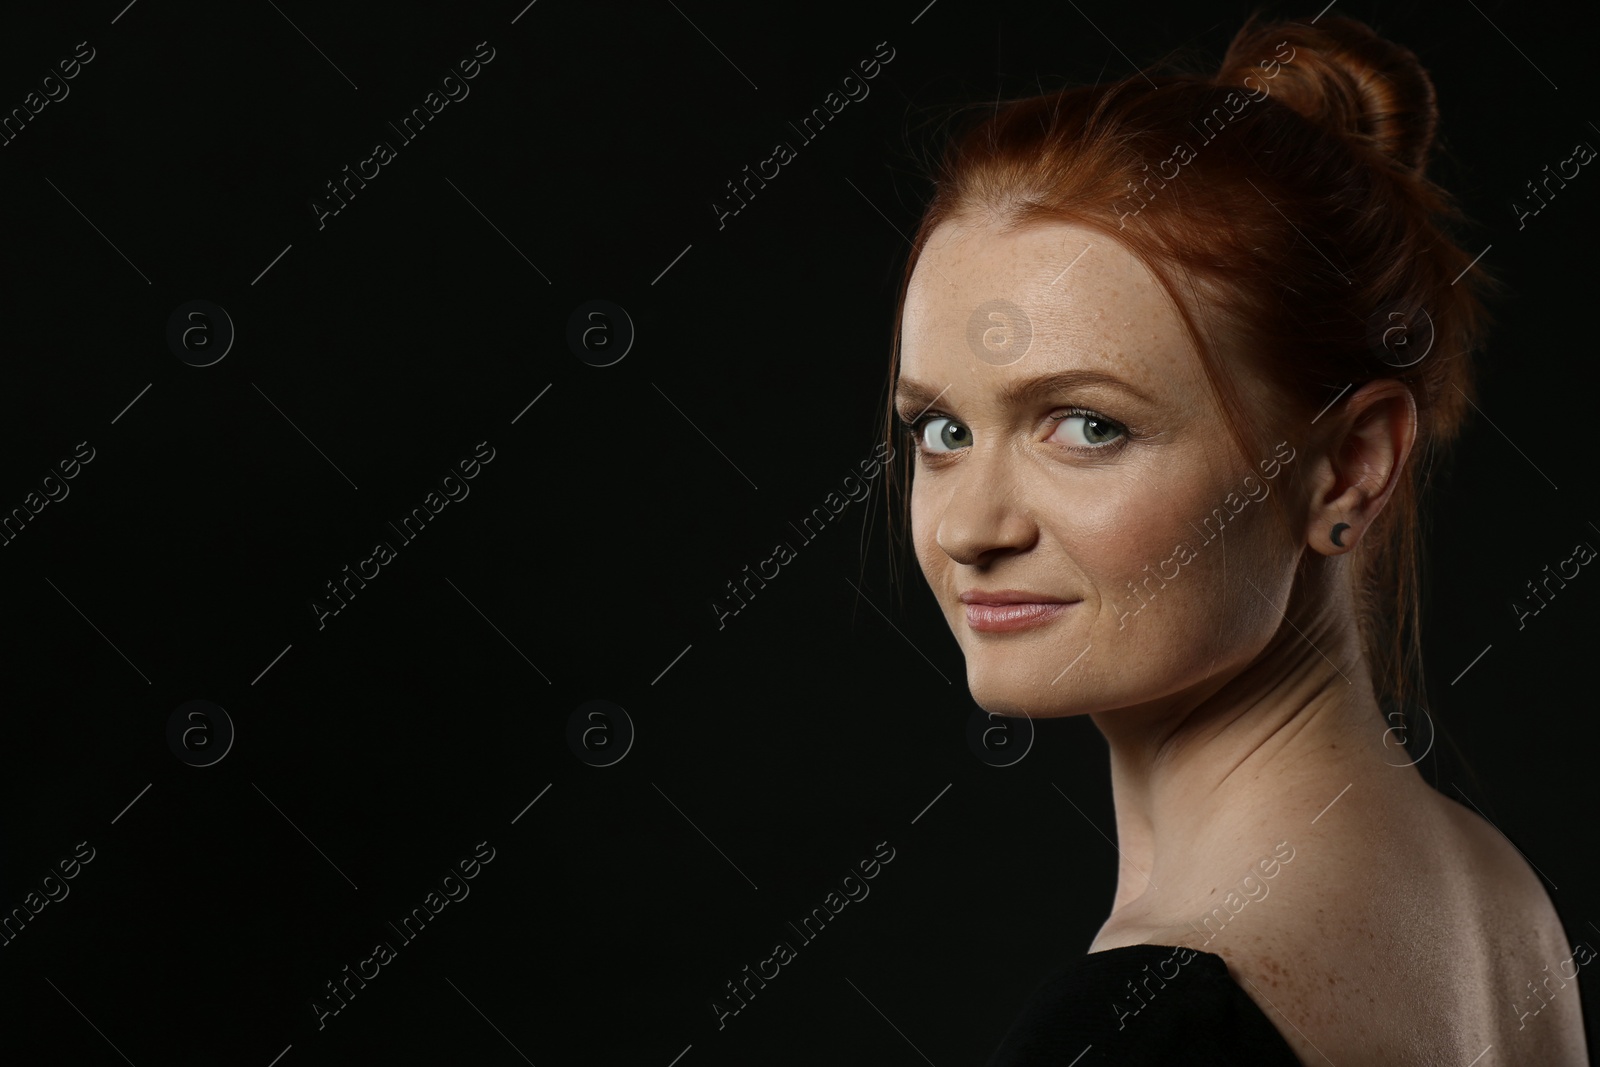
(1093,429)
(935,434)
(942,438)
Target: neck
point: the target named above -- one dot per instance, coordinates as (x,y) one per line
(1208,782)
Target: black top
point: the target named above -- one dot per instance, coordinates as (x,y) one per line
(1159,1004)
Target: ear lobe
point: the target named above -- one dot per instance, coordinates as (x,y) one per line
(1363,462)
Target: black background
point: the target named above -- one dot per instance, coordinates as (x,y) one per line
(771,755)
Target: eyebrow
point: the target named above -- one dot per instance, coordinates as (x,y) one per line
(1046,385)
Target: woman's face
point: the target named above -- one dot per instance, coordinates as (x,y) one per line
(1109,511)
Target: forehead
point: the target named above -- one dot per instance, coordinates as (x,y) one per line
(1071,296)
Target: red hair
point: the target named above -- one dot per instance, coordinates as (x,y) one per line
(1299,234)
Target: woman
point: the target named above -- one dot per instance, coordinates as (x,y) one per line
(1175,355)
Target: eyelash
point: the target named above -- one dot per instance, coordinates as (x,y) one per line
(914,429)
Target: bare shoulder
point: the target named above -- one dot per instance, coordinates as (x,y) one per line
(1433,944)
(1429,944)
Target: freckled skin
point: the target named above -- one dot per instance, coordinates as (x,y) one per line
(1088,526)
(1237,702)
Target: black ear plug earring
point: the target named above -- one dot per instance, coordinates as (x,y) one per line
(1338,528)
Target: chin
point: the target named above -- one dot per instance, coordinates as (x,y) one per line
(1000,692)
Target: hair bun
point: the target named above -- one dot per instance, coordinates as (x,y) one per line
(1343,76)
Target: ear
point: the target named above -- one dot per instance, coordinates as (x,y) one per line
(1361,461)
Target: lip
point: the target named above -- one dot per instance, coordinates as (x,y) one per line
(1003,618)
(1006,610)
(1010,596)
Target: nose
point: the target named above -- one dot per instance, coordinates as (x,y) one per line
(983,514)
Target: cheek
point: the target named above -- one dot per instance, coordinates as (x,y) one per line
(1179,583)
(924,533)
